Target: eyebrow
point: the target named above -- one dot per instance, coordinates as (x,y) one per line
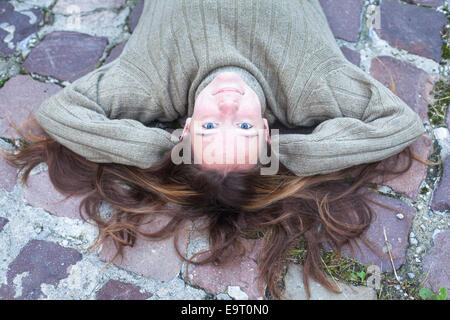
(214,132)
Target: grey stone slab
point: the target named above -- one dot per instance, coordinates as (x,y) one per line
(82,6)
(295,289)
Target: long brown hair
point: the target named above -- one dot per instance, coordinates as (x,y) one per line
(283,208)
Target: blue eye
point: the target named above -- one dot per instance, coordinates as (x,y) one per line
(209,125)
(245,125)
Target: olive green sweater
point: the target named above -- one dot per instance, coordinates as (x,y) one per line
(286,45)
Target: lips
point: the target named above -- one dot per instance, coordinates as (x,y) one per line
(228,89)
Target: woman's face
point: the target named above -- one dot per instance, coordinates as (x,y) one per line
(226,128)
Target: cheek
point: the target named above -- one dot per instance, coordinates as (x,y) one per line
(253,104)
(202,106)
(247,148)
(205,146)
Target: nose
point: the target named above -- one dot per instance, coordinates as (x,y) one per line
(228,106)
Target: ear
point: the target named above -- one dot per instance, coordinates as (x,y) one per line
(186,127)
(266,128)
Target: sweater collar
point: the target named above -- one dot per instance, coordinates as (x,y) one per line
(249,79)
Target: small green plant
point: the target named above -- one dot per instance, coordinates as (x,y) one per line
(427,294)
(362,275)
(337,267)
(445,51)
(437,110)
(424,190)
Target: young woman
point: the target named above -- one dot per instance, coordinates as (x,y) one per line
(227,70)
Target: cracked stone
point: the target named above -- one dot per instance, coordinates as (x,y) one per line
(436,265)
(242,273)
(344,18)
(18,97)
(66,55)
(18,25)
(38,262)
(441,201)
(296,291)
(117,290)
(82,6)
(152,259)
(413,28)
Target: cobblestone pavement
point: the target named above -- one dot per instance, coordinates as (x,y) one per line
(47,44)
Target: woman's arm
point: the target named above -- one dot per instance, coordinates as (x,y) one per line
(102,117)
(370,123)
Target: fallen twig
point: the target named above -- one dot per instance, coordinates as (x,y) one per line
(390,255)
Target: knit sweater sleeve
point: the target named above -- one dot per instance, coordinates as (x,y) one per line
(102,116)
(364,122)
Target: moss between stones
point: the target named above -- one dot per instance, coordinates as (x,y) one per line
(445,51)
(446,36)
(437,110)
